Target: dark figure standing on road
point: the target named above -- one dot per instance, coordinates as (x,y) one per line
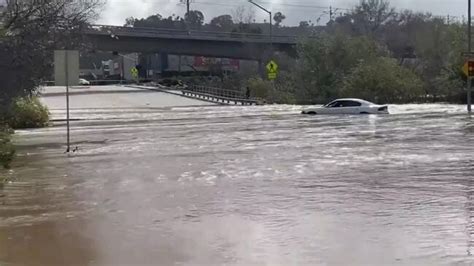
(247,92)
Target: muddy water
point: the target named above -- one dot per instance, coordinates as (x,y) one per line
(244,186)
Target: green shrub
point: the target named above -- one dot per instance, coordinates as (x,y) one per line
(7,152)
(259,88)
(28,112)
(262,89)
(279,91)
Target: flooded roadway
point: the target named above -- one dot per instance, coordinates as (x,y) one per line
(211,185)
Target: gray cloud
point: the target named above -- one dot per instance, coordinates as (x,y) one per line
(116,11)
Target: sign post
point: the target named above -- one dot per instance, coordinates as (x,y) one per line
(469,50)
(134,72)
(66,73)
(468,70)
(469,94)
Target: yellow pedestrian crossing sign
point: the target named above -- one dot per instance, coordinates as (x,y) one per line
(134,72)
(272,69)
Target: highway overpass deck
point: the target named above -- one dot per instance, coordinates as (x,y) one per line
(195,43)
(113,31)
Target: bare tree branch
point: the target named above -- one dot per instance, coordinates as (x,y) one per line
(31,31)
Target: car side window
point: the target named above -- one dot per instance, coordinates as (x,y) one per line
(350,104)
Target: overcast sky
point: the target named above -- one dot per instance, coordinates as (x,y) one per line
(116,11)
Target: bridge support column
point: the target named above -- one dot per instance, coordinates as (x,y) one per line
(261,69)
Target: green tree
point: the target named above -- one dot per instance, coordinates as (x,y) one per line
(129,22)
(382,80)
(33,30)
(439,47)
(278,18)
(195,19)
(325,61)
(370,15)
(223,22)
(156,21)
(367,18)
(304,24)
(247,28)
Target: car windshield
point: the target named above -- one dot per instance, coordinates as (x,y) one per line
(332,104)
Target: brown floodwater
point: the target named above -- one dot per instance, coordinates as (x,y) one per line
(209,185)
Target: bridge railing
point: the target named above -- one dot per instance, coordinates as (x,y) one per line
(216,91)
(176,33)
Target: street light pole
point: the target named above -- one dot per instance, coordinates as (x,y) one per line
(270,14)
(469,24)
(271,29)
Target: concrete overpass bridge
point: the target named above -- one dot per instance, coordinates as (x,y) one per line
(189,42)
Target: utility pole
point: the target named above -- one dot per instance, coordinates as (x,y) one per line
(469,24)
(187,3)
(332,12)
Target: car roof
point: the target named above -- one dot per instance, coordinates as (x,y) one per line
(364,102)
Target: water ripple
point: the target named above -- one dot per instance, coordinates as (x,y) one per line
(250,186)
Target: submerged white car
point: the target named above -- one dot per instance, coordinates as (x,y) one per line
(348,106)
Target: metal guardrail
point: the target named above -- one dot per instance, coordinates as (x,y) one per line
(218,95)
(189,34)
(216,91)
